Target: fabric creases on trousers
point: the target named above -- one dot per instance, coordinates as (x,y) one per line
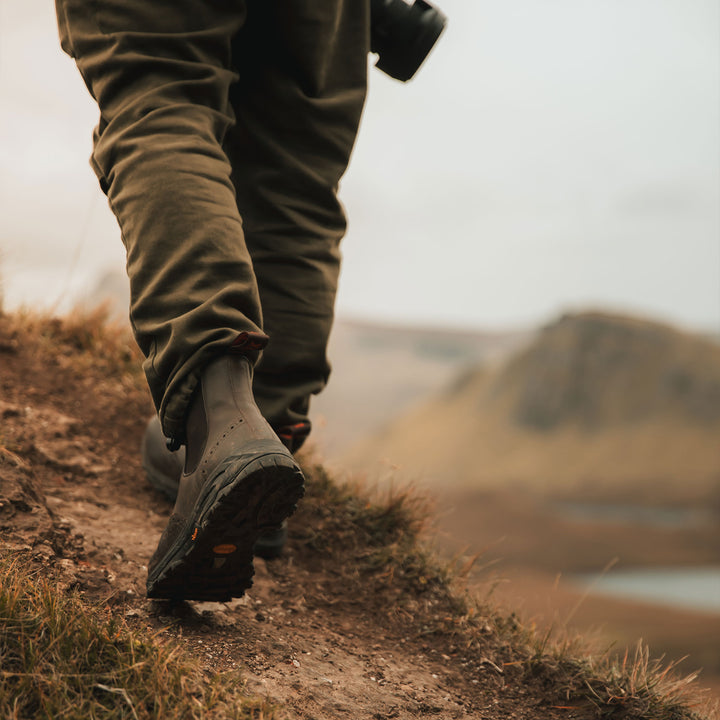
(225,127)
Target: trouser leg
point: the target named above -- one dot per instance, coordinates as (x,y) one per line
(302,82)
(161,72)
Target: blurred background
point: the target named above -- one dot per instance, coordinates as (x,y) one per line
(529,313)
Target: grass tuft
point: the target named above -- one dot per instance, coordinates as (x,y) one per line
(61,658)
(381,532)
(89,336)
(623,688)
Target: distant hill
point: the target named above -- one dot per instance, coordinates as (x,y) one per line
(598,404)
(381,371)
(600,371)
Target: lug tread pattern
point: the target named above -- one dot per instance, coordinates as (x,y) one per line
(236,506)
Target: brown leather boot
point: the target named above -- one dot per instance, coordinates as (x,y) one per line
(164,468)
(239,480)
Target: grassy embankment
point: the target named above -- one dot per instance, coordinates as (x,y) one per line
(65,655)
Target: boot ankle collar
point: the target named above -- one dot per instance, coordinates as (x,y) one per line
(246,344)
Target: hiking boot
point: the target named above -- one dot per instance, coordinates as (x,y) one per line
(238,481)
(164,468)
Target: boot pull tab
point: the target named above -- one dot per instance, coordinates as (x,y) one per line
(249,344)
(173,444)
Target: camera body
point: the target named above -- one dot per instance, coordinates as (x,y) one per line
(403,33)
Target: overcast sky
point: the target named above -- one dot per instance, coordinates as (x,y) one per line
(551,155)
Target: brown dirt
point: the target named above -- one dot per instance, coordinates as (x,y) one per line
(317,633)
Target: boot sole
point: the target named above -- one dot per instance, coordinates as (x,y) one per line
(212,558)
(269,545)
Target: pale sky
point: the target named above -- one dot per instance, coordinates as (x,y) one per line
(550,156)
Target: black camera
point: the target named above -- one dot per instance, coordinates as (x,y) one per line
(403,34)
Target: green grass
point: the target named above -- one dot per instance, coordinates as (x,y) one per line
(60,657)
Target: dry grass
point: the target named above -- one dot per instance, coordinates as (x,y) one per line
(87,334)
(61,658)
(633,686)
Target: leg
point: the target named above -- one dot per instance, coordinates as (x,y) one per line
(298,102)
(161,73)
(301,89)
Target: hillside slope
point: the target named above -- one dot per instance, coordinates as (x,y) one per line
(616,407)
(356,620)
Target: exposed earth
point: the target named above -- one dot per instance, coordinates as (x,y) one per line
(332,629)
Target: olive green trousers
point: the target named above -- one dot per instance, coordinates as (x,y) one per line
(225,127)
